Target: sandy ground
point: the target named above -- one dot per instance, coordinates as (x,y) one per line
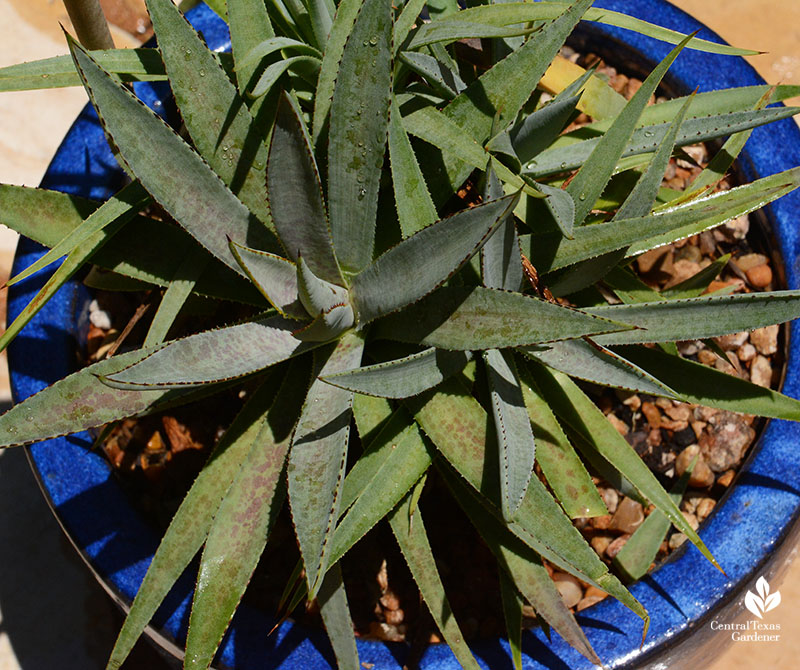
(52,614)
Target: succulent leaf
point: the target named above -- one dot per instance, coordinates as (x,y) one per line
(177,178)
(583,416)
(249,24)
(565,472)
(403,377)
(119,208)
(456,423)
(317,461)
(295,194)
(698,283)
(512,427)
(392,464)
(501,263)
(271,75)
(242,523)
(358,133)
(646,139)
(441,78)
(275,277)
(586,360)
(415,208)
(641,549)
(142,64)
(214,113)
(335,612)
(317,295)
(697,318)
(517,12)
(706,386)
(550,252)
(591,179)
(468,318)
(327,325)
(49,216)
(174,298)
(512,613)
(525,569)
(214,356)
(414,545)
(192,522)
(453,30)
(375,291)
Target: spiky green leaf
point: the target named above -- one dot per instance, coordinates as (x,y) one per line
(358,132)
(274,276)
(177,178)
(403,377)
(242,523)
(462,318)
(214,355)
(376,291)
(335,612)
(295,194)
(317,461)
(218,121)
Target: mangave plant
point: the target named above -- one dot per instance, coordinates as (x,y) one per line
(425,258)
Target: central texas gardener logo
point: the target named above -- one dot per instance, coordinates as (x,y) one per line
(764,601)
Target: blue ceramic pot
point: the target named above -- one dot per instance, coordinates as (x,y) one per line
(750,533)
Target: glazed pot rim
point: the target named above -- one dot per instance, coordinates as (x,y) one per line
(747,532)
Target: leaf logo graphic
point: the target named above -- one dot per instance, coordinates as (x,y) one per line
(764,601)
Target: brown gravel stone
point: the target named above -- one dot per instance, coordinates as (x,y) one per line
(587,601)
(725,441)
(652,414)
(704,507)
(394,617)
(698,427)
(675,426)
(679,412)
(747,352)
(761,371)
(733,340)
(692,519)
(726,478)
(702,476)
(676,540)
(570,589)
(601,522)
(628,517)
(390,601)
(610,498)
(747,261)
(759,276)
(765,340)
(634,402)
(600,543)
(594,592)
(619,424)
(682,270)
(616,546)
(706,357)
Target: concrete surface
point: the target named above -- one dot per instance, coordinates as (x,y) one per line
(52,614)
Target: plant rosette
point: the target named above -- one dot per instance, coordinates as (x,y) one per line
(750,532)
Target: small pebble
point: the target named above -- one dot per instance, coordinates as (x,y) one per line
(601,522)
(747,261)
(736,229)
(726,478)
(702,476)
(676,540)
(652,414)
(698,427)
(616,546)
(587,601)
(747,352)
(600,543)
(390,601)
(628,517)
(610,498)
(569,588)
(765,340)
(619,424)
(724,442)
(394,617)
(634,402)
(688,348)
(759,276)
(681,271)
(732,341)
(706,357)
(692,520)
(704,507)
(679,412)
(100,319)
(761,371)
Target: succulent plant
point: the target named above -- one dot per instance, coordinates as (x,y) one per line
(419,246)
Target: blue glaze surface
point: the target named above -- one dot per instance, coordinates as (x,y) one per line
(744,533)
